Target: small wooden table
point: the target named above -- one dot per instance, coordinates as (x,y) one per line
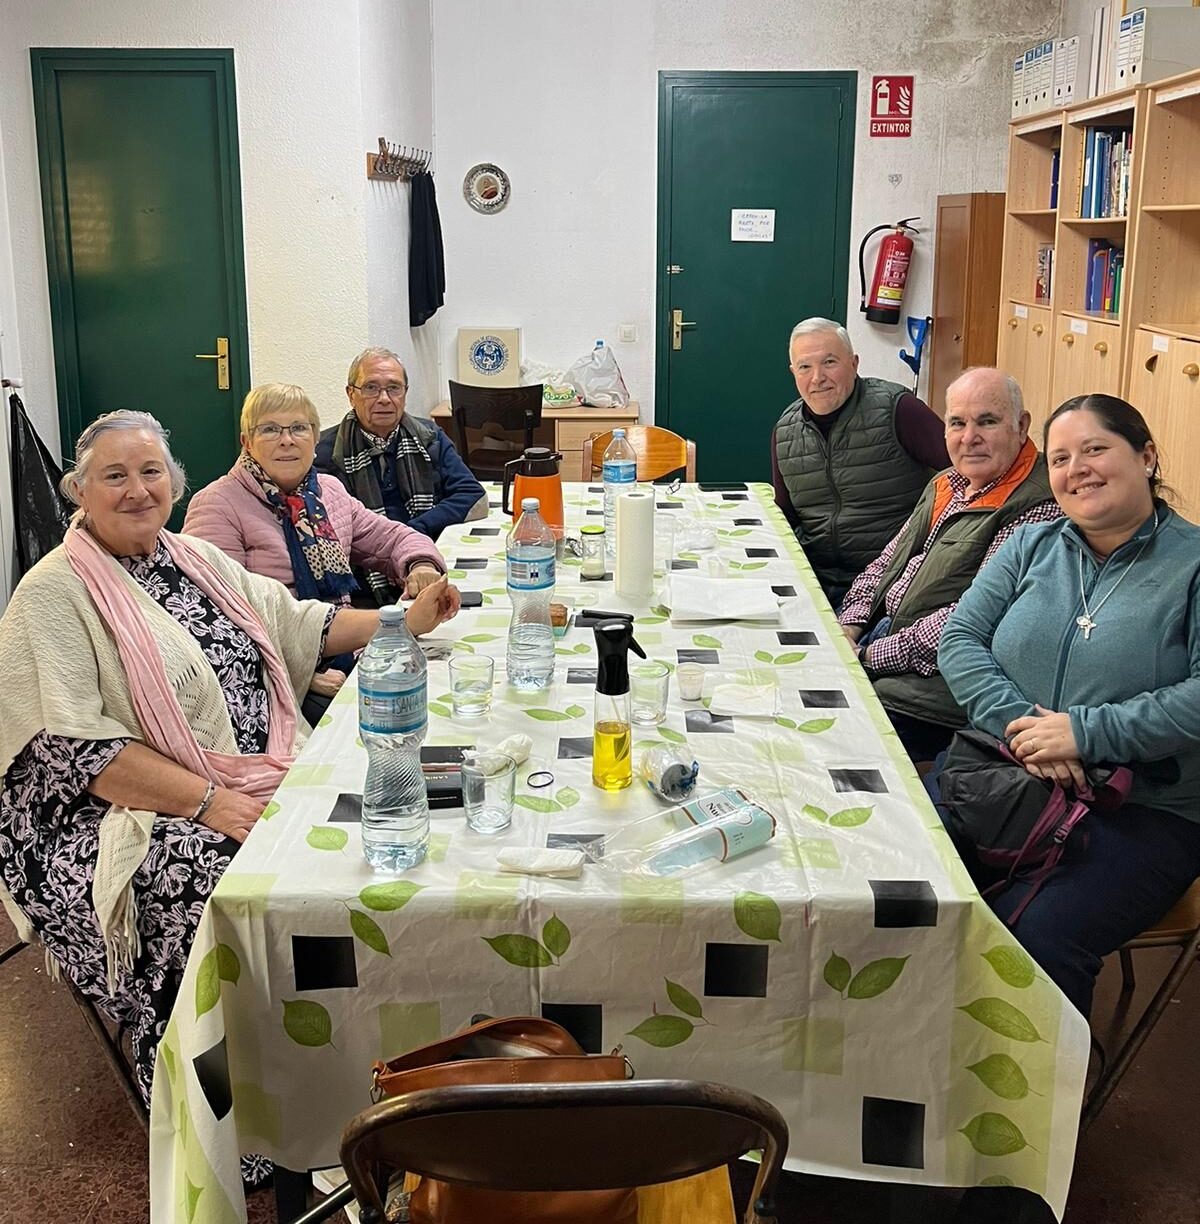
(565,430)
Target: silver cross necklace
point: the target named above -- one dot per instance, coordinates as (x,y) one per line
(1087,622)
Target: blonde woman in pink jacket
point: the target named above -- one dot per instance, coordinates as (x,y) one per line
(276,515)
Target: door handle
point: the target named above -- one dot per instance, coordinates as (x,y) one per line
(1192,370)
(1151,362)
(678,323)
(1068,339)
(1012,322)
(1101,347)
(221,357)
(1038,329)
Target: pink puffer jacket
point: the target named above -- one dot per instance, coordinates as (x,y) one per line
(233,514)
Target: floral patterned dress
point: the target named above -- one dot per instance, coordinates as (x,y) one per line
(49,834)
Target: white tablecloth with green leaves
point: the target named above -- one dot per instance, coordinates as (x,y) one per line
(848,972)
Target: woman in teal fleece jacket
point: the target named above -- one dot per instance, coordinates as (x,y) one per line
(1079,645)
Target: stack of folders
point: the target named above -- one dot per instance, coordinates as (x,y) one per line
(1105,273)
(1107,154)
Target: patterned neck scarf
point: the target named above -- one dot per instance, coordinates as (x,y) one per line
(319,562)
(354,451)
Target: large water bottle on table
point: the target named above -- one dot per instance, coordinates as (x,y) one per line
(618,471)
(393,712)
(529,556)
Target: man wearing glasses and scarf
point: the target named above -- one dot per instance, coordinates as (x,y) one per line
(394,463)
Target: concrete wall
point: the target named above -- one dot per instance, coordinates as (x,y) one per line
(563,95)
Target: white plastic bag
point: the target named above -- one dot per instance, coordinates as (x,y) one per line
(597,379)
(556,391)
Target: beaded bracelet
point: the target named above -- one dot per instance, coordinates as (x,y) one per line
(206,802)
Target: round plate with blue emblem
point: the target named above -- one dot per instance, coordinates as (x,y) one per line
(486,188)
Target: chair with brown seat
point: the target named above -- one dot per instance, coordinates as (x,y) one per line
(493,425)
(1179,928)
(562,1137)
(659,453)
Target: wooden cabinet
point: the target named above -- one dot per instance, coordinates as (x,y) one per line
(1087,358)
(1164,385)
(1025,349)
(966,281)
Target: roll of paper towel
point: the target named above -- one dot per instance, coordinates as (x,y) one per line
(635,545)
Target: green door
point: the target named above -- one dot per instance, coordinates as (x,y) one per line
(732,147)
(142,204)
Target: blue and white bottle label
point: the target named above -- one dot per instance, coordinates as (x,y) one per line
(391,712)
(530,574)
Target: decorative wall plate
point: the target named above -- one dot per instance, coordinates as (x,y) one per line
(486,188)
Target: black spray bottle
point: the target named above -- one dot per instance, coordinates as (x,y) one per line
(612,739)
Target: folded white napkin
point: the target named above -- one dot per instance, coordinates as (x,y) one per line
(693,596)
(529,860)
(748,700)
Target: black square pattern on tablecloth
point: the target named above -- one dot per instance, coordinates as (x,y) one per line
(584,1021)
(605,577)
(347,809)
(705,720)
(668,505)
(893,1133)
(469,563)
(677,564)
(323,962)
(698,654)
(761,552)
(581,675)
(575,747)
(484,531)
(595,488)
(904,903)
(797,637)
(735,497)
(735,970)
(593,512)
(212,1070)
(593,843)
(495,505)
(824,699)
(870,780)
(784,592)
(747,522)
(443,754)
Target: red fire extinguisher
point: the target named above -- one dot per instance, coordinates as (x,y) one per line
(883,303)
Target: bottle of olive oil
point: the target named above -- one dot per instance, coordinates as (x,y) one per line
(612,739)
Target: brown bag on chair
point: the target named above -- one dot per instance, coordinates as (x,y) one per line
(516,1050)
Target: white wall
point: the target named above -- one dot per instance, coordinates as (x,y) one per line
(563,95)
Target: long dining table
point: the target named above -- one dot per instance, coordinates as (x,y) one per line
(847,970)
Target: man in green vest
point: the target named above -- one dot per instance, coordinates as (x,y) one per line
(896,608)
(850,457)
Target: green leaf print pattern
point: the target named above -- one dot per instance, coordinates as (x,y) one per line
(1002,1075)
(1003,1018)
(756,915)
(1013,966)
(992,1134)
(307,1023)
(526,952)
(662,1030)
(869,982)
(369,931)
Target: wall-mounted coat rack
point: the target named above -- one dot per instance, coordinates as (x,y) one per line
(396,162)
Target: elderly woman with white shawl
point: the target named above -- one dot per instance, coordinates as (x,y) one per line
(151,714)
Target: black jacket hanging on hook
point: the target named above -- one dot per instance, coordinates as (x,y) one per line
(41,512)
(426,258)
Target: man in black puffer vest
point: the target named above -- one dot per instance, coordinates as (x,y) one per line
(896,608)
(850,457)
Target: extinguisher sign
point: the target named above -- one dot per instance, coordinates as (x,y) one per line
(891,105)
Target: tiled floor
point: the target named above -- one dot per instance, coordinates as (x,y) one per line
(70,1148)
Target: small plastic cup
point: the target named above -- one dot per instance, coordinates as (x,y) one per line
(471,677)
(648,692)
(489,783)
(689,678)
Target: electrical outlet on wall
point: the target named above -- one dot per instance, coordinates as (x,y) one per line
(627,333)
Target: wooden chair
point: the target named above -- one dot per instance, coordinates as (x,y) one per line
(1180,928)
(659,453)
(535,1137)
(502,420)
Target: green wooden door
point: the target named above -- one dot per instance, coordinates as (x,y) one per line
(733,142)
(142,204)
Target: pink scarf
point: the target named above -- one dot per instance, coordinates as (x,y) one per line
(154,701)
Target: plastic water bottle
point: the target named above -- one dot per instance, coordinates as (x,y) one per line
(392,716)
(530,572)
(619,472)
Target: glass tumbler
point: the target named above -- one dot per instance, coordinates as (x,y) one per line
(471,684)
(489,782)
(648,692)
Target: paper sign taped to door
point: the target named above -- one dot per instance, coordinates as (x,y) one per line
(752,225)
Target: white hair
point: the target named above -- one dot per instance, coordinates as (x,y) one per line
(1012,389)
(379,353)
(123,418)
(807,327)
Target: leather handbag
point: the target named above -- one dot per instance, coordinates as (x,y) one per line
(515,1050)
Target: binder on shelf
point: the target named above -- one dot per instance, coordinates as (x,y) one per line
(1089,151)
(1018,93)
(1027,84)
(1055,162)
(1046,76)
(1066,70)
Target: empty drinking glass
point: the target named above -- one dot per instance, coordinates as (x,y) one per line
(471,684)
(648,692)
(489,781)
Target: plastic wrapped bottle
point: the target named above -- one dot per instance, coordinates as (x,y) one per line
(393,713)
(618,471)
(529,563)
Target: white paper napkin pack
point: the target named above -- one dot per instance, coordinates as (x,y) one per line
(693,597)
